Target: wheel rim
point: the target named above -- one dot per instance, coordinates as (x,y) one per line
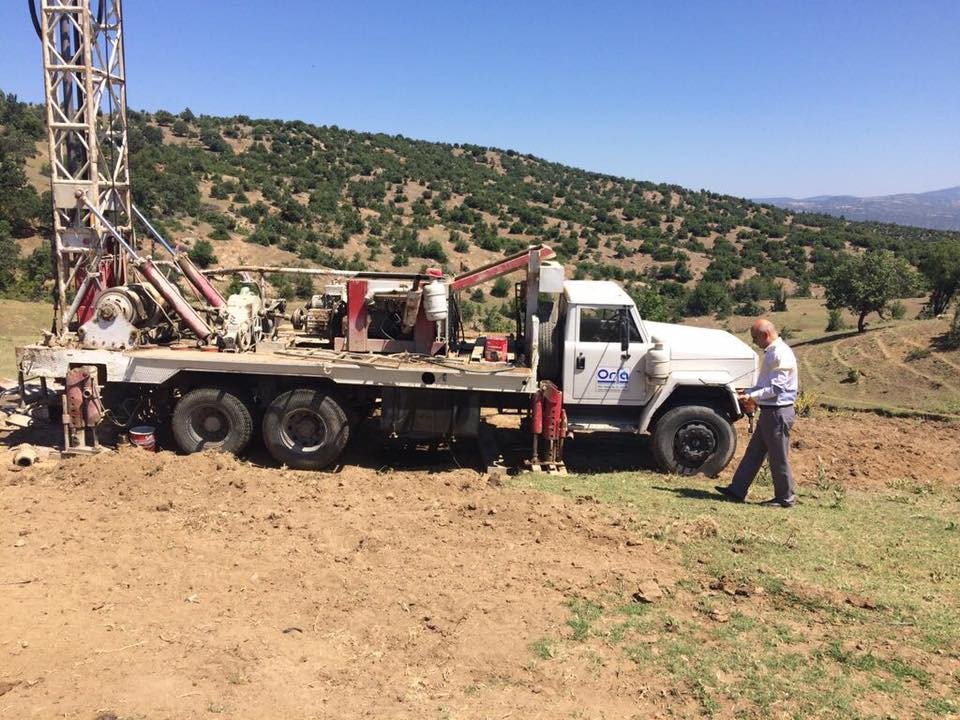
(303,430)
(210,423)
(694,443)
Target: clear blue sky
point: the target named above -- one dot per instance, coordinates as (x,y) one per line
(757,98)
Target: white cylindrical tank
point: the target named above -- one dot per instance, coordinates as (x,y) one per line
(435,300)
(658,362)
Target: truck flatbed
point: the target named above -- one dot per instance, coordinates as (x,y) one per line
(157,365)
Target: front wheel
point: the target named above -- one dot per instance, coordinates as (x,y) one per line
(305,429)
(693,439)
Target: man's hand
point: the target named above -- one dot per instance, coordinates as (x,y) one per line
(747,403)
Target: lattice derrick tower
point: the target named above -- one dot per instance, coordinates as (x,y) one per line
(85,98)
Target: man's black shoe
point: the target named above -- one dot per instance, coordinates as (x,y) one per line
(728,493)
(773,502)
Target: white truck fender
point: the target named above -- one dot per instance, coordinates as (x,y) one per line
(681,379)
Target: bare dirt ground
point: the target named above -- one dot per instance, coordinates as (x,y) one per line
(137,585)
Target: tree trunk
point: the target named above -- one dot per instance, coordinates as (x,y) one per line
(939,300)
(861,324)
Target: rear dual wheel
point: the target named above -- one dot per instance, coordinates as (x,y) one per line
(208,418)
(305,429)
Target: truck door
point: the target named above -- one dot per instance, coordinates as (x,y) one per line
(597,371)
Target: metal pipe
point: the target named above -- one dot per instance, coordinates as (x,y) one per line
(78,298)
(152,230)
(194,276)
(110,228)
(360,274)
(203,286)
(169,293)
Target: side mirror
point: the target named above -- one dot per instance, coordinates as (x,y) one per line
(624,333)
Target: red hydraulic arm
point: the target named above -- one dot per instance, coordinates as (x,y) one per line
(500,267)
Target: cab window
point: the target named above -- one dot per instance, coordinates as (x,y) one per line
(602,325)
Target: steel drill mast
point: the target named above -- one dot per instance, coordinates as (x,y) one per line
(85,98)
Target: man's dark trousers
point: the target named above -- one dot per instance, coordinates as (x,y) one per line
(771,441)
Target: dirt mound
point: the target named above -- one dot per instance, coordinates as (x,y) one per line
(865,449)
(855,449)
(179,586)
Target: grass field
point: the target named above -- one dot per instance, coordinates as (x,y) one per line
(847,606)
(20,324)
(896,366)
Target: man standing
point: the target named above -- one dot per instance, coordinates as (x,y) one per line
(775,393)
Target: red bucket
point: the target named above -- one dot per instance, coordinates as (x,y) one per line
(142,437)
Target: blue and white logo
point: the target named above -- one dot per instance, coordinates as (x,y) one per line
(612,377)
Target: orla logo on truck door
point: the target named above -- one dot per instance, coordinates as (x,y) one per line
(612,377)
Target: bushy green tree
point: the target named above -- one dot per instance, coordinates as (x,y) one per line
(650,304)
(710,298)
(941,268)
(213,141)
(19,203)
(866,283)
(202,254)
(35,270)
(9,258)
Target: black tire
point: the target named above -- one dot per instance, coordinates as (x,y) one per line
(550,363)
(305,429)
(210,418)
(693,439)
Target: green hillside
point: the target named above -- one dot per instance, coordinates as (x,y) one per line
(271,191)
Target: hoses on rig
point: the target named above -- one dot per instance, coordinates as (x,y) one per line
(32,4)
(35,17)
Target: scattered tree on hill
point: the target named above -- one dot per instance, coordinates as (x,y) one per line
(710,298)
(866,283)
(358,186)
(202,254)
(20,205)
(951,340)
(650,304)
(941,268)
(213,140)
(501,287)
(779,299)
(9,259)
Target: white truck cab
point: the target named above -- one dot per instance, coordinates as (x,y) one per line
(620,373)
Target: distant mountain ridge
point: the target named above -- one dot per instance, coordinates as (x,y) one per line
(937,209)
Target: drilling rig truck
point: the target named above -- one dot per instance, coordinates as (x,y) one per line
(127,343)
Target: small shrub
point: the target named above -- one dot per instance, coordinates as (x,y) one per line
(852,376)
(500,288)
(779,299)
(202,254)
(835,321)
(897,310)
(749,308)
(918,354)
(806,400)
(952,339)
